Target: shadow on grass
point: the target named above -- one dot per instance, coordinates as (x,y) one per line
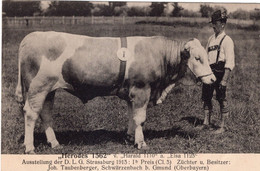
(192,120)
(169,133)
(196,121)
(104,136)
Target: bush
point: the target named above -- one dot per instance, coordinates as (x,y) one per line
(189,13)
(69,8)
(139,11)
(255,15)
(157,8)
(121,11)
(19,8)
(240,14)
(102,10)
(206,10)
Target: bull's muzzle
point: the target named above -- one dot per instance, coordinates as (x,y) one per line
(212,79)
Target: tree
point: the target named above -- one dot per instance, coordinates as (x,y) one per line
(96,11)
(240,14)
(157,8)
(139,11)
(219,8)
(121,11)
(112,9)
(255,15)
(116,4)
(118,8)
(21,8)
(70,8)
(177,9)
(190,13)
(206,10)
(106,10)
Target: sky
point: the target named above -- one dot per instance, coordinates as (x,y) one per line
(195,6)
(230,7)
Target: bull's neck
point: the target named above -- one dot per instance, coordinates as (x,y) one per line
(175,63)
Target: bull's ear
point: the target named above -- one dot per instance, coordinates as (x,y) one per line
(192,43)
(187,46)
(185,53)
(196,42)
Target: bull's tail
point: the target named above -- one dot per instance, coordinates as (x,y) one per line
(19,93)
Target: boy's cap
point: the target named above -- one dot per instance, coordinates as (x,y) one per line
(218,16)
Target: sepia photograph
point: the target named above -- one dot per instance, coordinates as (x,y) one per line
(89,80)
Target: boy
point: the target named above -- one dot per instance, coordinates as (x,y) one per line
(220,50)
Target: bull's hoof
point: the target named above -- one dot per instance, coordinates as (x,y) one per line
(58,147)
(159,101)
(144,148)
(141,146)
(54,144)
(28,149)
(220,131)
(129,140)
(19,99)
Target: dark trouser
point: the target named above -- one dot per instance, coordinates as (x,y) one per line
(207,90)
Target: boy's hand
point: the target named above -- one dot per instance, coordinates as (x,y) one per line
(223,86)
(223,83)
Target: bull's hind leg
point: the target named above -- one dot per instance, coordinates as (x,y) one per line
(30,118)
(48,121)
(39,88)
(140,98)
(32,109)
(18,91)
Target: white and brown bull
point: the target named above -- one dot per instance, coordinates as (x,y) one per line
(136,69)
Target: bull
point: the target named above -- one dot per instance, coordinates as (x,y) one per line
(136,69)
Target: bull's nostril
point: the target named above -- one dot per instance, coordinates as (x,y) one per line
(212,80)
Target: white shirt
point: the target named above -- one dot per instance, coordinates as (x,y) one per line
(226,50)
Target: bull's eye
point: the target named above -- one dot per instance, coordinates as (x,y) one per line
(197,58)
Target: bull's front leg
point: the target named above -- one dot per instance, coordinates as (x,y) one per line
(130,131)
(139,99)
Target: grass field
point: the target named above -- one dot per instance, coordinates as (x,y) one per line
(99,125)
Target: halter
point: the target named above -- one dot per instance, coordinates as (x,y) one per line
(199,77)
